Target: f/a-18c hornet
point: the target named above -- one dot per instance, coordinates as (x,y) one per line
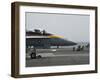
(42,40)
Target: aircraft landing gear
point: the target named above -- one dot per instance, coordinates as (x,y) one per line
(33,55)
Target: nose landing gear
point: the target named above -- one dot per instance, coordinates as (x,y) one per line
(33,56)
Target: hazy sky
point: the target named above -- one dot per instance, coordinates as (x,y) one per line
(70,26)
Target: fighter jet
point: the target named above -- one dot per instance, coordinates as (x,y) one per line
(42,40)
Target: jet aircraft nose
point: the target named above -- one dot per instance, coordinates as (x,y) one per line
(61,42)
